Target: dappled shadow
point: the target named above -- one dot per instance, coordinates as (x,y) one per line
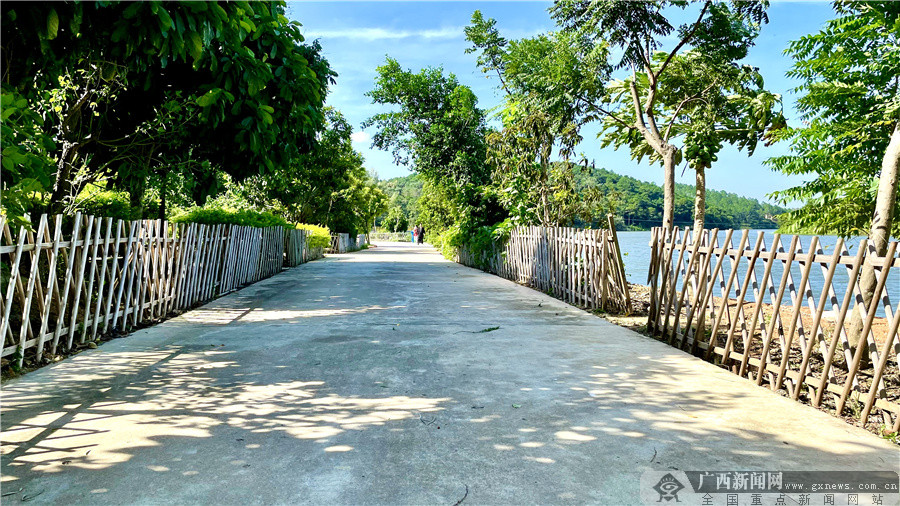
(148,410)
(352,380)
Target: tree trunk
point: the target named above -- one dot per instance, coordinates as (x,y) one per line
(136,197)
(63,185)
(700,201)
(545,176)
(162,195)
(883,219)
(879,235)
(668,218)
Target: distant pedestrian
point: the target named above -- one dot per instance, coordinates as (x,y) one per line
(415,234)
(422,235)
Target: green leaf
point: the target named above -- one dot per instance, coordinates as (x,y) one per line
(165,21)
(52,24)
(209,98)
(75,23)
(132,10)
(195,45)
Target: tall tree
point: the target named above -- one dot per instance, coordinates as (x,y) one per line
(636,117)
(850,144)
(438,131)
(127,88)
(549,82)
(850,73)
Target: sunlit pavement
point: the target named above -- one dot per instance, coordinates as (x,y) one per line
(375,377)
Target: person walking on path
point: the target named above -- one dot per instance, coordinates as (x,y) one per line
(422,235)
(415,234)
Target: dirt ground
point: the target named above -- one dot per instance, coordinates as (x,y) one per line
(637,321)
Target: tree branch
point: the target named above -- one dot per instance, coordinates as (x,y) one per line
(651,137)
(685,39)
(613,116)
(681,104)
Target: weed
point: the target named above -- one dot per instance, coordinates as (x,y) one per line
(885,433)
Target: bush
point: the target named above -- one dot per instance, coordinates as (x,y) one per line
(319,237)
(481,242)
(108,204)
(219,216)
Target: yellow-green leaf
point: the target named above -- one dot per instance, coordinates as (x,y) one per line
(52,24)
(195,45)
(208,98)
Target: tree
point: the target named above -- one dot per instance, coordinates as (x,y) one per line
(850,144)
(438,131)
(305,189)
(712,102)
(718,33)
(539,113)
(850,73)
(395,220)
(126,89)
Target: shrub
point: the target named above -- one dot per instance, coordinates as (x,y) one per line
(319,237)
(481,242)
(108,204)
(218,215)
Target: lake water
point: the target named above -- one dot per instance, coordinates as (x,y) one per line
(636,255)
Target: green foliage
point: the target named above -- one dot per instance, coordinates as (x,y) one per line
(221,216)
(319,237)
(480,242)
(328,185)
(703,91)
(27,167)
(133,92)
(850,105)
(404,192)
(549,82)
(638,204)
(107,203)
(438,131)
(395,220)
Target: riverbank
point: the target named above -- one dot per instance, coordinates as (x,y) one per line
(637,321)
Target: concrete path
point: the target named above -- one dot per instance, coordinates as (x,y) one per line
(366,378)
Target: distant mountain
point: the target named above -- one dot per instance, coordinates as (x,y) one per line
(637,204)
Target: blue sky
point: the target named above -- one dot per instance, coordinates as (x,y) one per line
(356,37)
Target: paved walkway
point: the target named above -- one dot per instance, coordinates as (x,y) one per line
(369,378)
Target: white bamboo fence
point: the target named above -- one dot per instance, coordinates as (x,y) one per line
(390,237)
(74,279)
(345,243)
(339,243)
(580,266)
(754,309)
(297,250)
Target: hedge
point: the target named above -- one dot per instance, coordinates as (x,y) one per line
(320,237)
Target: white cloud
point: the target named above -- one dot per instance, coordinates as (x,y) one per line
(359,137)
(371,34)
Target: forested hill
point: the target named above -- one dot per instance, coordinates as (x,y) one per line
(637,204)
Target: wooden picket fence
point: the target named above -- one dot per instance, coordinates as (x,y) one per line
(297,250)
(73,279)
(709,297)
(580,266)
(345,243)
